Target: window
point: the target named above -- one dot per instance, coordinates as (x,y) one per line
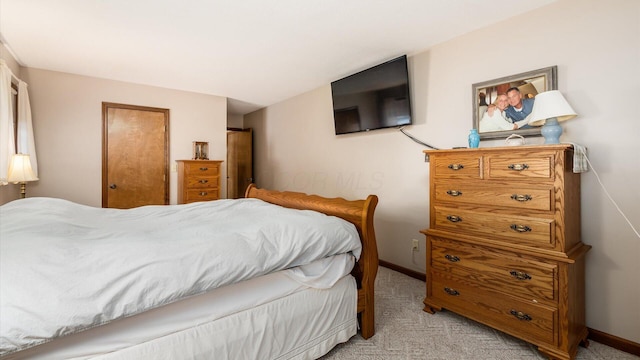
(14,106)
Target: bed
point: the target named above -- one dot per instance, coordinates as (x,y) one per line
(295,306)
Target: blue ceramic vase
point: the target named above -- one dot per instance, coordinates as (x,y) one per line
(474,138)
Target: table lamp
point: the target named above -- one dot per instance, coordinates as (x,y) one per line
(20,171)
(549,108)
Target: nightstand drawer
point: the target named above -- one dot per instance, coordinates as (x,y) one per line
(518,165)
(201,169)
(519,197)
(530,279)
(457,167)
(201,195)
(500,310)
(530,231)
(202,182)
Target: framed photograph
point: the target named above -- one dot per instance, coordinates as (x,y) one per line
(529,84)
(200,150)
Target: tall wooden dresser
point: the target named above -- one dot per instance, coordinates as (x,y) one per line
(503,243)
(198,180)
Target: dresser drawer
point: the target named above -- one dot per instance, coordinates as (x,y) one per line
(457,167)
(202,169)
(530,279)
(534,322)
(520,197)
(519,165)
(198,180)
(201,195)
(531,231)
(202,182)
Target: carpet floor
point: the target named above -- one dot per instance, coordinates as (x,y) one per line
(404,331)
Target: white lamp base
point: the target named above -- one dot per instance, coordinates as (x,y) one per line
(551,130)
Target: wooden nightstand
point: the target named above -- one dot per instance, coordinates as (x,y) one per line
(198,180)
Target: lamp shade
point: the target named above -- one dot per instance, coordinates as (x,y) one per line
(550,104)
(20,169)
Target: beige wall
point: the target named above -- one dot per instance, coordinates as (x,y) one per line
(67,121)
(596,46)
(235,121)
(12,63)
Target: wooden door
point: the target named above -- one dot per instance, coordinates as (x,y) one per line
(239,162)
(135,156)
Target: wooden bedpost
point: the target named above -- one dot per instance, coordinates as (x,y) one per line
(369,266)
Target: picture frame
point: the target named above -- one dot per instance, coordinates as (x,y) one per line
(200,150)
(530,83)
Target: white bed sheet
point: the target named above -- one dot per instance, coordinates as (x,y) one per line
(275,316)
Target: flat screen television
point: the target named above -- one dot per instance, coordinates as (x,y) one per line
(374,98)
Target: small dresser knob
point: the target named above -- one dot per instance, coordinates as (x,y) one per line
(452,292)
(518,167)
(454,192)
(521,198)
(204,181)
(520,315)
(454,218)
(452,258)
(520,275)
(520,228)
(455,166)
(204,168)
(203,193)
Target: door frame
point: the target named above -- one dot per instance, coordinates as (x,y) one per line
(105,145)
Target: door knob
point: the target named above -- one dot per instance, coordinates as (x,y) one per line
(112,186)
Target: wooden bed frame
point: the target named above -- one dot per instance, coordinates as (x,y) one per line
(358,212)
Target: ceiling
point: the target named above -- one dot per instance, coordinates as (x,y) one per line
(254,52)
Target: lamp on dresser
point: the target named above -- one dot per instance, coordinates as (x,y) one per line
(549,108)
(20,171)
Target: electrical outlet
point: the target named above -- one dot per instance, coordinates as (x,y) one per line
(415,245)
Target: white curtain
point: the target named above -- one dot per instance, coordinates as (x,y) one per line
(7,143)
(26,143)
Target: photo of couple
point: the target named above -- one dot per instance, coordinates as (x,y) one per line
(509,111)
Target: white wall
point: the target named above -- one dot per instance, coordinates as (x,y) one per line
(596,46)
(67,121)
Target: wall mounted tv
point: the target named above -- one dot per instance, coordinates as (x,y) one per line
(372,99)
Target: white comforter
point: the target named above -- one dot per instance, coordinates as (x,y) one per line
(66,267)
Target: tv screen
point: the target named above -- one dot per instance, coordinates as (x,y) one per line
(372,99)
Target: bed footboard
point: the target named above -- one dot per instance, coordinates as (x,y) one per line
(358,212)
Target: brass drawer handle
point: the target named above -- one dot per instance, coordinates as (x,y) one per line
(454,218)
(520,275)
(203,193)
(452,258)
(520,228)
(518,167)
(520,315)
(452,292)
(204,168)
(454,192)
(203,181)
(455,166)
(521,198)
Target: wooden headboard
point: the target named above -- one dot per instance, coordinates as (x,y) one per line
(358,212)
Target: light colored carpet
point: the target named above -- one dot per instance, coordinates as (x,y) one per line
(404,331)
